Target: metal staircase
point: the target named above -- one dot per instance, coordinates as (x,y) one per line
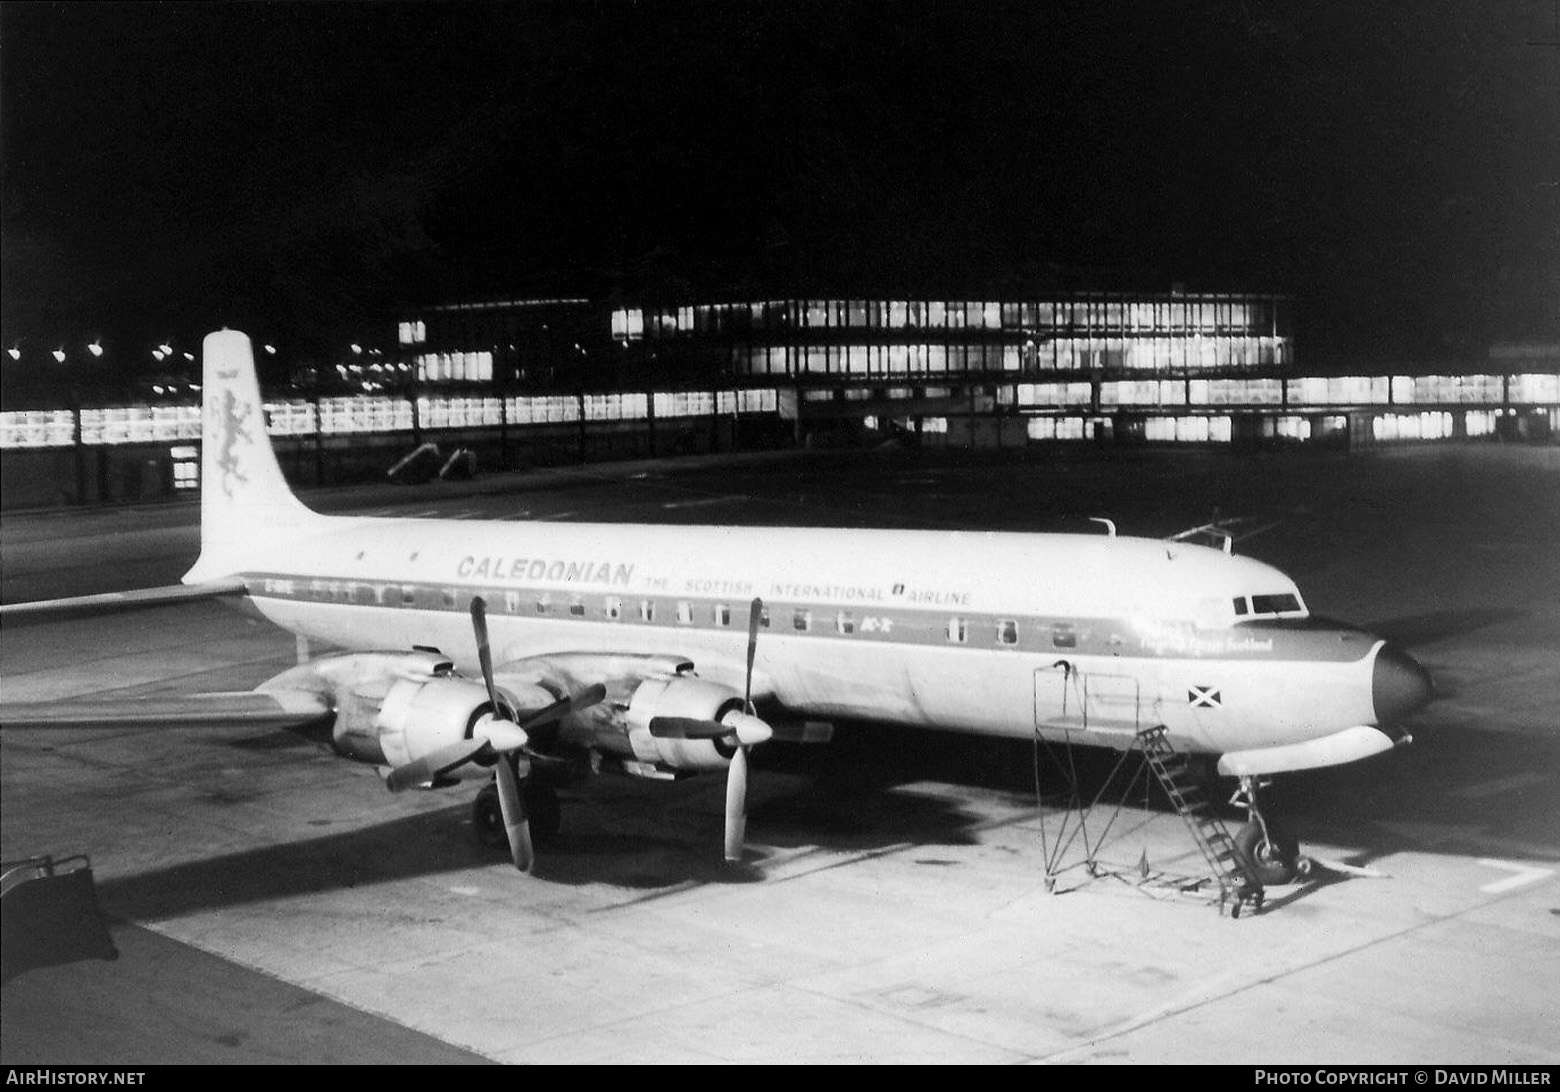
(1238,885)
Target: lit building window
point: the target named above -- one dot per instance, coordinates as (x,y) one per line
(186,473)
(628,324)
(37,428)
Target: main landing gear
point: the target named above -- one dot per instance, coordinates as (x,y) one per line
(1270,852)
(541,806)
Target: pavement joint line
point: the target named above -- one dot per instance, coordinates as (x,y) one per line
(1501,785)
(1175,1008)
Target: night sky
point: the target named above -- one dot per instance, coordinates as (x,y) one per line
(304,170)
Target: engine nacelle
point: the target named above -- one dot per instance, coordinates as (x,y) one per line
(395,707)
(417,718)
(681,696)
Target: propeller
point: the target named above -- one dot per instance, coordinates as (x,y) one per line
(743,728)
(502,734)
(517,826)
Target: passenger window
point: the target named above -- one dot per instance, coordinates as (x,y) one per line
(448,597)
(1064,637)
(543,605)
(577,609)
(409,595)
(1240,605)
(958,630)
(647,610)
(802,621)
(845,622)
(723,614)
(512,602)
(613,608)
(1007,632)
(684,612)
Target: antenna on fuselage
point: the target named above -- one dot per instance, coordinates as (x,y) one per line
(1110,524)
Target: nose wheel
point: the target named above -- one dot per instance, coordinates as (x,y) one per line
(1270,853)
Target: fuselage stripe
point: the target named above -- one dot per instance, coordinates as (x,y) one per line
(941,628)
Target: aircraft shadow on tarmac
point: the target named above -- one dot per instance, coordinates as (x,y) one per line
(858,795)
(617,831)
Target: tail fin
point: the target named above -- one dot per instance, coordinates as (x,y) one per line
(246,505)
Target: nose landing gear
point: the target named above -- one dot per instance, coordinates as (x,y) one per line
(1270,852)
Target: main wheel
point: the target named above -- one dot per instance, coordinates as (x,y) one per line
(541,807)
(487,818)
(541,804)
(1273,856)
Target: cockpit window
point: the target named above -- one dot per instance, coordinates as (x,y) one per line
(1283,603)
(1240,606)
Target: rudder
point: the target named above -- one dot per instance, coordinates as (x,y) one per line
(245,502)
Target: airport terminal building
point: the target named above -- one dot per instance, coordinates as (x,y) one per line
(557,380)
(1176,367)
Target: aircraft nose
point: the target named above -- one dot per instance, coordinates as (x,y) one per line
(1399,685)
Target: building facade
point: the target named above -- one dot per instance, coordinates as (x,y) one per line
(526,382)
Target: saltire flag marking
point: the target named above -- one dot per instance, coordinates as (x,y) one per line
(1204,697)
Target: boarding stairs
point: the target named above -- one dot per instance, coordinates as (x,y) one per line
(1238,885)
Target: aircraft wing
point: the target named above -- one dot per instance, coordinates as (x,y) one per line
(274,708)
(107,602)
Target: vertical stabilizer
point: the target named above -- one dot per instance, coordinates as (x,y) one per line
(246,506)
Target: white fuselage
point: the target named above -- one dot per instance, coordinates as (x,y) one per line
(1096,636)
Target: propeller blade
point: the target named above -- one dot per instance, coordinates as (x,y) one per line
(564,706)
(432,766)
(736,805)
(485,653)
(748,730)
(687,728)
(516,824)
(755,614)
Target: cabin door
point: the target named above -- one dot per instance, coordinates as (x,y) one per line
(1069,698)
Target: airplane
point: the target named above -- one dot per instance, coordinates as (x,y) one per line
(531,654)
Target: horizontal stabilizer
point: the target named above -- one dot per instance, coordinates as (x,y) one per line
(272,708)
(113,602)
